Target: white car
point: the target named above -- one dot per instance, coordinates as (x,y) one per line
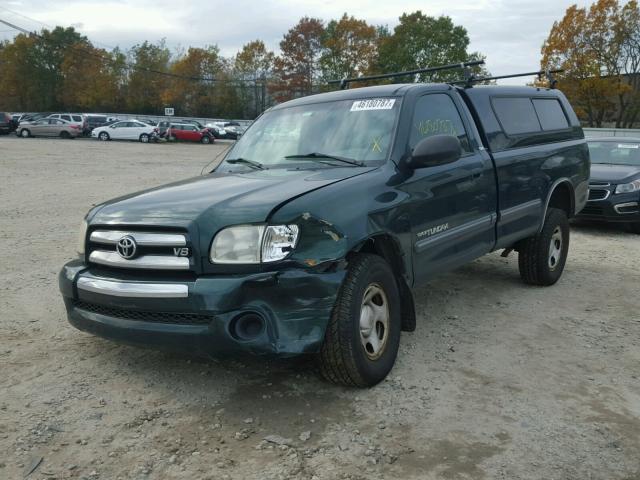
(125,130)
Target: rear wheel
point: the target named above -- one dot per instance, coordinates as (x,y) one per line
(541,258)
(363,335)
(24,133)
(205,139)
(144,138)
(104,136)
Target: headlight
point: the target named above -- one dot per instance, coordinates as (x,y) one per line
(278,241)
(82,237)
(628,187)
(253,243)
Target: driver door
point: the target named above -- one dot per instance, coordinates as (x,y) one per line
(453,205)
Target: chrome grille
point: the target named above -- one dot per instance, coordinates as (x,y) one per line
(154,250)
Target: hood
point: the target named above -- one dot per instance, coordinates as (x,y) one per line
(602,172)
(218,199)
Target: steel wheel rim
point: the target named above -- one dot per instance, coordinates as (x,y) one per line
(555,248)
(374,321)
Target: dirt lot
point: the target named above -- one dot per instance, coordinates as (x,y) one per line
(500,380)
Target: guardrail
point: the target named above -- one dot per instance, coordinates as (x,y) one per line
(611,132)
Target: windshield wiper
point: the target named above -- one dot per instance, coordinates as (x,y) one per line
(316,155)
(244,161)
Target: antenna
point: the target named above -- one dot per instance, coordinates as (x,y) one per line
(344,82)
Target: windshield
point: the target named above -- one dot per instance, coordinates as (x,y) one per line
(616,153)
(360,130)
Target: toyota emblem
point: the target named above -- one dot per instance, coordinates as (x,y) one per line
(127,247)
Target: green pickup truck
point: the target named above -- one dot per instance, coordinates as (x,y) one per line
(311,233)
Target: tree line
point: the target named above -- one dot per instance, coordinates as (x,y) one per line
(60,69)
(599,49)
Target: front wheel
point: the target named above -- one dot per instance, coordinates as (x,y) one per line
(104,136)
(24,133)
(144,138)
(363,335)
(64,134)
(541,258)
(205,139)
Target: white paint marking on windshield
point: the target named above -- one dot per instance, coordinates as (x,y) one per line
(373,104)
(628,145)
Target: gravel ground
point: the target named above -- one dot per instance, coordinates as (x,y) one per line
(500,380)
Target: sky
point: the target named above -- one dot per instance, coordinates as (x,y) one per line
(509,32)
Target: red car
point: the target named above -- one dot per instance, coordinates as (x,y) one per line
(188,133)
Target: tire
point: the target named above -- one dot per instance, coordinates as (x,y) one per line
(205,139)
(104,136)
(25,133)
(144,138)
(65,135)
(348,356)
(634,227)
(541,258)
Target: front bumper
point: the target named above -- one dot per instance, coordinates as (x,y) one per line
(200,315)
(615,208)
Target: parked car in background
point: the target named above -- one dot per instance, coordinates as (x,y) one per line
(614,184)
(95,121)
(217,129)
(74,118)
(7,124)
(49,127)
(125,130)
(188,132)
(32,117)
(162,127)
(226,130)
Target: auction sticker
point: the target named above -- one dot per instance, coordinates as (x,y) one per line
(621,145)
(373,104)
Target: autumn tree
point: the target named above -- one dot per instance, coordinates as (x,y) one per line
(148,77)
(190,88)
(297,68)
(253,67)
(349,48)
(599,50)
(32,66)
(421,41)
(93,79)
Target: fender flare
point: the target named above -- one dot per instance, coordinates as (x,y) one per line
(552,189)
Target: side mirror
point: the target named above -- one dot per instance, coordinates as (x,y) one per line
(112,126)
(434,151)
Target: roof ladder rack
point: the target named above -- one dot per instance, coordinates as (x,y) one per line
(549,74)
(344,83)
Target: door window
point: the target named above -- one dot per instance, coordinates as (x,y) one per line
(436,114)
(66,117)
